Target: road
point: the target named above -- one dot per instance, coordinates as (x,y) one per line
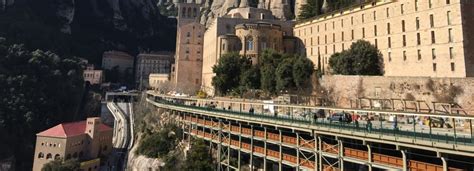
(123,134)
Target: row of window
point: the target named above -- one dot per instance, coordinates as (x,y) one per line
(50,144)
(417,20)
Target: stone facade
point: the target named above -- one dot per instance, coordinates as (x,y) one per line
(343,89)
(93,76)
(155,80)
(84,140)
(416,38)
(110,59)
(147,63)
(245,30)
(187,69)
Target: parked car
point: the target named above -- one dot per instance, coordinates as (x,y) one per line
(340,116)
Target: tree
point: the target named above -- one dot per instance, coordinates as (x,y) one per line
(38,90)
(361,59)
(303,68)
(227,73)
(60,165)
(310,9)
(269,62)
(250,78)
(199,158)
(284,75)
(161,143)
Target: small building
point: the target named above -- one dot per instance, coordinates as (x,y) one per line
(93,76)
(147,63)
(157,80)
(86,141)
(122,60)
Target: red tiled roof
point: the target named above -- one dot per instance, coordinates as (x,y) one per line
(70,129)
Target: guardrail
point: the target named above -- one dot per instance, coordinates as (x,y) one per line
(375,127)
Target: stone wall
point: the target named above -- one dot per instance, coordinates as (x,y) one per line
(343,89)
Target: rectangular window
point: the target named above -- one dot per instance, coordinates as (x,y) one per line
(433,37)
(363,16)
(389,56)
(342,36)
(418,39)
(448,2)
(375,15)
(376,44)
(434,67)
(452,66)
(375,30)
(448,17)
(403,25)
(451,52)
(417,23)
(333,25)
(450,36)
(389,42)
(433,53)
(430,4)
(352,20)
(342,23)
(325,39)
(431,20)
(325,26)
(388,28)
(404,55)
(333,49)
(363,32)
(318,40)
(343,47)
(404,40)
(402,10)
(388,12)
(419,54)
(352,34)
(333,37)
(416,5)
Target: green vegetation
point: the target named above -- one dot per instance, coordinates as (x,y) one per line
(60,165)
(362,58)
(276,73)
(199,158)
(161,143)
(313,7)
(38,90)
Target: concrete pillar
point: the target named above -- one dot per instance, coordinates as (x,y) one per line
(341,154)
(320,146)
(404,158)
(265,149)
(240,146)
(316,154)
(445,164)
(219,146)
(280,165)
(251,148)
(297,151)
(369,159)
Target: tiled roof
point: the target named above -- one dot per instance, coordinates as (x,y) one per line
(70,129)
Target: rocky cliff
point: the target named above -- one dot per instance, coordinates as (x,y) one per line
(282,9)
(86,28)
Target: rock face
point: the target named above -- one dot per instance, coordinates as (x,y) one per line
(281,9)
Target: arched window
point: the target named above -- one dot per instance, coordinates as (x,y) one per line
(105,148)
(40,155)
(74,155)
(49,156)
(57,157)
(68,156)
(263,43)
(249,43)
(183,12)
(194,12)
